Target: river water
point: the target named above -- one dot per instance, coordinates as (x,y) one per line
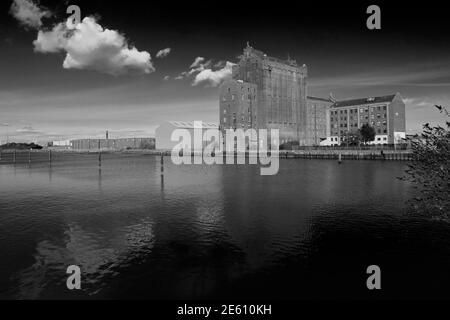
(220,231)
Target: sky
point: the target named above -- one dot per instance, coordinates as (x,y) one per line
(127,67)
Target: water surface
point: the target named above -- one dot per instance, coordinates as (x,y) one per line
(214,231)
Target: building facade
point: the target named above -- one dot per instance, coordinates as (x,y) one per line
(386,114)
(317,118)
(163,133)
(113,144)
(268,93)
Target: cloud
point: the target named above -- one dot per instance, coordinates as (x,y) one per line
(166,78)
(197,62)
(28,13)
(214,78)
(28,130)
(89,46)
(163,53)
(207,71)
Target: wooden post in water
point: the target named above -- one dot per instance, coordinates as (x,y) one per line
(340,158)
(162,164)
(99,154)
(50,156)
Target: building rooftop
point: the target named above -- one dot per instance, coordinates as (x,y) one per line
(262,55)
(190,124)
(319,99)
(362,101)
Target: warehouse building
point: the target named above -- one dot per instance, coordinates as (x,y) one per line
(386,114)
(113,144)
(163,133)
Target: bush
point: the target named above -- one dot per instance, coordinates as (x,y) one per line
(430,170)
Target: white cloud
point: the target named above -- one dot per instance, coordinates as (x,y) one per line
(89,46)
(197,62)
(163,53)
(166,78)
(28,13)
(27,130)
(214,78)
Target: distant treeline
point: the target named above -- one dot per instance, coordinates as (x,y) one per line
(20,146)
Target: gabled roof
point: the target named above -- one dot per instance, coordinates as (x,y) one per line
(362,101)
(319,99)
(190,124)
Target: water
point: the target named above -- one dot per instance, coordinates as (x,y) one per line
(215,231)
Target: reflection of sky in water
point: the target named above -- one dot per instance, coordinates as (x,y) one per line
(204,228)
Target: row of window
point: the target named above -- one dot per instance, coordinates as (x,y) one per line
(361,110)
(334,139)
(362,117)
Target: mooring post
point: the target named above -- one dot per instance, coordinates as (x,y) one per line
(99,154)
(29,156)
(50,156)
(340,158)
(162,163)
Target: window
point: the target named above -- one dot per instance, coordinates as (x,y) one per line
(224,120)
(224,111)
(378,139)
(232,97)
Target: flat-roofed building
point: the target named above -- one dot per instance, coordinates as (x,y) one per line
(163,133)
(113,144)
(386,114)
(317,122)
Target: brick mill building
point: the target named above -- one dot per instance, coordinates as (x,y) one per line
(269,93)
(266,93)
(386,114)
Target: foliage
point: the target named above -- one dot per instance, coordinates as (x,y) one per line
(351,138)
(20,146)
(367,133)
(430,170)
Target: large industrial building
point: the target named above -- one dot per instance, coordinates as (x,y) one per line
(270,93)
(266,93)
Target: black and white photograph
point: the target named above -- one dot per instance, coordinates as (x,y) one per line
(224,151)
